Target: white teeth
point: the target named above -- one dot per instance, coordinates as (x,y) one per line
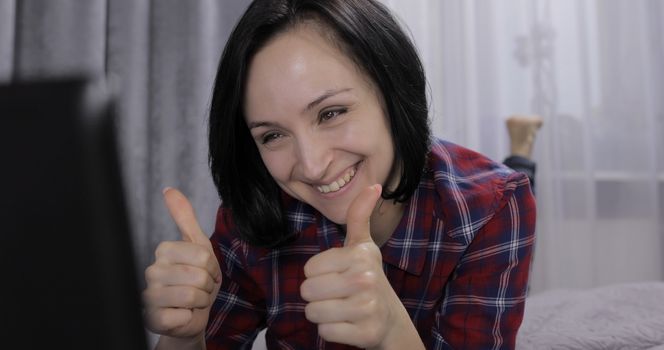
(338,184)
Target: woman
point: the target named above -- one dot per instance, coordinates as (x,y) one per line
(342,223)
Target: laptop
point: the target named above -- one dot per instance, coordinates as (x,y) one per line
(67,263)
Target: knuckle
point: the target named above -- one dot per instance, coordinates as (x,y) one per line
(365,280)
(203,256)
(358,253)
(310,313)
(325,331)
(188,296)
(370,307)
(305,291)
(158,321)
(187,270)
(199,279)
(363,254)
(307,269)
(163,249)
(151,273)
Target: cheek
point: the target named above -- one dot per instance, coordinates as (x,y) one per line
(371,134)
(362,131)
(277,164)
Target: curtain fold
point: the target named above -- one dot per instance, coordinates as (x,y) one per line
(159,59)
(59,37)
(593,70)
(128,68)
(7,32)
(165,79)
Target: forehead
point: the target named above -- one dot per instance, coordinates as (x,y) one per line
(296,66)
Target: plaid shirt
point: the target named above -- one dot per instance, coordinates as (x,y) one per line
(459,261)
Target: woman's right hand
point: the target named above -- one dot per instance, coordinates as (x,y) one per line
(184,280)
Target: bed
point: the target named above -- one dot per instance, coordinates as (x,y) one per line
(620,316)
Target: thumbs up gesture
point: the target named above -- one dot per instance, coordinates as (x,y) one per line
(185,278)
(349,295)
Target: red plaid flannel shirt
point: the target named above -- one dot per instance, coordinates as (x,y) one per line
(459,261)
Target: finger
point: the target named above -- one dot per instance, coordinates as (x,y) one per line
(187,253)
(359,214)
(324,287)
(179,275)
(163,320)
(183,214)
(328,261)
(176,297)
(334,310)
(346,333)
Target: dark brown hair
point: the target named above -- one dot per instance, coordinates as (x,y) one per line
(368,33)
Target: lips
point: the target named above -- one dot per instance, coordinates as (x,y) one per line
(339,183)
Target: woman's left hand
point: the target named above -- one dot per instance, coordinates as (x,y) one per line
(349,295)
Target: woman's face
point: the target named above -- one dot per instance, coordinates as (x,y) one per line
(317,120)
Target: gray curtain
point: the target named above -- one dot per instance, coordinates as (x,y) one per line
(160,58)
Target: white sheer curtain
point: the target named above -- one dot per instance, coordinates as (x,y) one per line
(593,69)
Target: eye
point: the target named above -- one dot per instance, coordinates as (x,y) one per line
(330,114)
(270,137)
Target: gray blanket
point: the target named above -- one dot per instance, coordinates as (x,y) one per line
(623,316)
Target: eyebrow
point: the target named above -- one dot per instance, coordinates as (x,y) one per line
(327,94)
(253,125)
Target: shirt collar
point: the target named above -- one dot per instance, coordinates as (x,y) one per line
(407,247)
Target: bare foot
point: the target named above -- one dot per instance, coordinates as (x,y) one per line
(522,130)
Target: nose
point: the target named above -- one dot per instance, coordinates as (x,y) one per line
(313,158)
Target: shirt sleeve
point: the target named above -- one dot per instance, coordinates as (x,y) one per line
(238,313)
(485,295)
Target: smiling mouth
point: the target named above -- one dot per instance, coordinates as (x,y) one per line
(338,183)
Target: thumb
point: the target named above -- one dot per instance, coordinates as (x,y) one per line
(359,214)
(183,214)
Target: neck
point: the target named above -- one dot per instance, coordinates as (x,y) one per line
(384,219)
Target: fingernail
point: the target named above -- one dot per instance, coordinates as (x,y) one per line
(165,189)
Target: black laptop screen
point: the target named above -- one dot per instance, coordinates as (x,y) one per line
(69,277)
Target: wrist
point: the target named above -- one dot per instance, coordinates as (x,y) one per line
(402,334)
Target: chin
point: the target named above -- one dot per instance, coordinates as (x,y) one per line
(334,216)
